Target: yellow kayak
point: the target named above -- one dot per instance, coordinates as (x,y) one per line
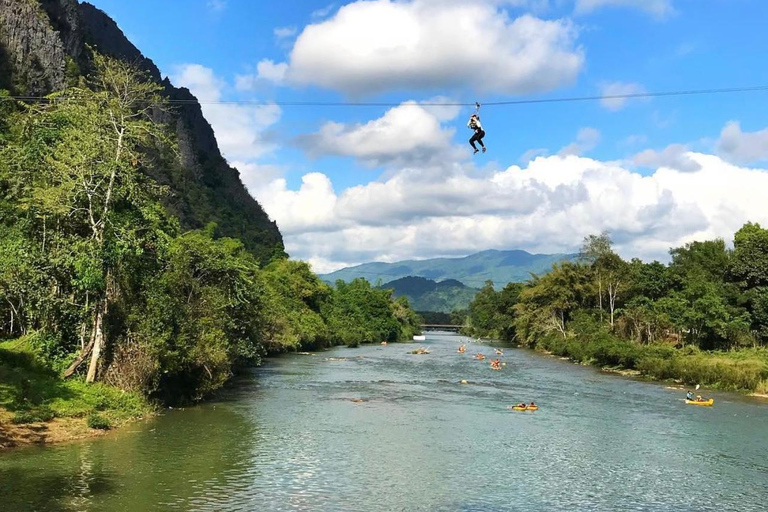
(706,403)
(526,408)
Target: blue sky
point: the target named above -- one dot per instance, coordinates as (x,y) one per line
(348,185)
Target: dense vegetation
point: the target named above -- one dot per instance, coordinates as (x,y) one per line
(428,295)
(703,318)
(100,282)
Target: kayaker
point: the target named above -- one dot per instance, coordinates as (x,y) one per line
(533,404)
(699,398)
(689,396)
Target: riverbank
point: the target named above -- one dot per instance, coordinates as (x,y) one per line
(744,370)
(38,407)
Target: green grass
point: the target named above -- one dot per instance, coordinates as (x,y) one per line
(34,392)
(744,369)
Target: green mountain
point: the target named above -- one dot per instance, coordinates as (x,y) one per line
(44,46)
(501,267)
(428,295)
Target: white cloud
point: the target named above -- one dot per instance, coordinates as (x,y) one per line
(743,147)
(285,32)
(409,133)
(548,206)
(618,89)
(369,47)
(586,140)
(658,8)
(268,70)
(239,129)
(531,154)
(216,5)
(323,11)
(256,175)
(311,208)
(674,156)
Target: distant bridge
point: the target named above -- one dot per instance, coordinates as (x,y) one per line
(441,327)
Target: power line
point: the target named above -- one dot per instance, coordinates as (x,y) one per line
(569,99)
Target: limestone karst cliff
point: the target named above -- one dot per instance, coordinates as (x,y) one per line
(43,48)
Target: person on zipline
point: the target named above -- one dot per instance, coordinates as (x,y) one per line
(474,124)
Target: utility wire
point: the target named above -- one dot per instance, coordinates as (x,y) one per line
(569,99)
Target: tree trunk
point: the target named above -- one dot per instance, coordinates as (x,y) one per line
(600,295)
(79,360)
(98,340)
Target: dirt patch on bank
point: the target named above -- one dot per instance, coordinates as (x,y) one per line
(57,430)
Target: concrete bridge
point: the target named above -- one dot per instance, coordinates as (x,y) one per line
(441,327)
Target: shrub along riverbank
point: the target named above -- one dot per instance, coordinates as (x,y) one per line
(733,370)
(37,406)
(702,319)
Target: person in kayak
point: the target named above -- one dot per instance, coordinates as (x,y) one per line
(689,396)
(532,405)
(474,124)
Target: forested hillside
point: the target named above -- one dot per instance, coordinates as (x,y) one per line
(501,267)
(703,318)
(428,295)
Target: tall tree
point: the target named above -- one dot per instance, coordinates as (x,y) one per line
(594,249)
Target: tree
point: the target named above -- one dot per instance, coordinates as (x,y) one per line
(78,166)
(593,250)
(749,269)
(481,316)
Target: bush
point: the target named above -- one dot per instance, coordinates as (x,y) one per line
(97,421)
(38,415)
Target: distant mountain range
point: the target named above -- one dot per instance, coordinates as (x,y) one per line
(501,267)
(427,295)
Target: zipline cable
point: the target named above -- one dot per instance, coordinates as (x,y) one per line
(570,99)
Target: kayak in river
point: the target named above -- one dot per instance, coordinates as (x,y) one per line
(523,407)
(707,403)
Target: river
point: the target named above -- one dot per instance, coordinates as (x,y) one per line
(289,437)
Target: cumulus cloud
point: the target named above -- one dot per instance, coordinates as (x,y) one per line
(239,129)
(743,147)
(612,89)
(674,156)
(285,32)
(407,133)
(586,140)
(369,47)
(658,8)
(548,206)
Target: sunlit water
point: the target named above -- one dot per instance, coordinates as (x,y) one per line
(290,439)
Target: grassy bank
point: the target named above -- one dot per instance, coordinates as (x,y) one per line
(36,406)
(735,370)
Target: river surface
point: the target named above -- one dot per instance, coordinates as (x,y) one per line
(290,438)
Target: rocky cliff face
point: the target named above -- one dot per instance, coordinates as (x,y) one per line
(42,45)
